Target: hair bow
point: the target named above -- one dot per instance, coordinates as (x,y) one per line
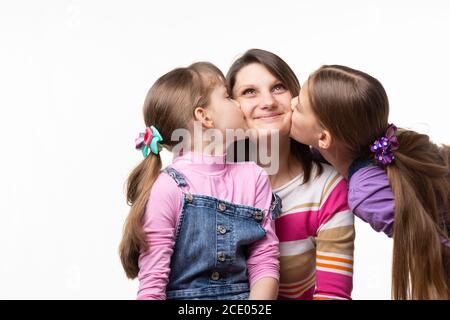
(149,140)
(383,147)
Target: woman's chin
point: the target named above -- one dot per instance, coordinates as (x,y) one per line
(271,126)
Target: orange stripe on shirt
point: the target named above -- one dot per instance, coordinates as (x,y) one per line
(332,266)
(335,259)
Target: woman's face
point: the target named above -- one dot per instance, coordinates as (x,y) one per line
(305,127)
(265,101)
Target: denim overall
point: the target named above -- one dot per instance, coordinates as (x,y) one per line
(209,260)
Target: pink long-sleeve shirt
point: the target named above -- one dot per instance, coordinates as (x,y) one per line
(239,183)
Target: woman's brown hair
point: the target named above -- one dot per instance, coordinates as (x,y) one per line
(354,107)
(169,105)
(280,70)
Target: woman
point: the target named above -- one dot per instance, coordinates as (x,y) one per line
(315,228)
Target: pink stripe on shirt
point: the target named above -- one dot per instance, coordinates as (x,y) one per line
(333,285)
(297,226)
(336,202)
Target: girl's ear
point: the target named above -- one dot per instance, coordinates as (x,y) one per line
(203,115)
(325,139)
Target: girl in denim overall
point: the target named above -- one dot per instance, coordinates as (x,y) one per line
(201,228)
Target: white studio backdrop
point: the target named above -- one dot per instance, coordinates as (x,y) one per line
(73,77)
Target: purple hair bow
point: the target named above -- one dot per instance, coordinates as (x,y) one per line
(383,147)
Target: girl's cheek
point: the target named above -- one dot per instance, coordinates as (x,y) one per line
(295,120)
(246,109)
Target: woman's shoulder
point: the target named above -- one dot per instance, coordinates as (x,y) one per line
(320,185)
(329,175)
(327,169)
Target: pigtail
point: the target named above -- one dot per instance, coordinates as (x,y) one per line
(139,184)
(420,180)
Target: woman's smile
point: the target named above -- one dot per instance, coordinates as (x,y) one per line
(268,116)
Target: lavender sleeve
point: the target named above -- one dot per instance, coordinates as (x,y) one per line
(370,197)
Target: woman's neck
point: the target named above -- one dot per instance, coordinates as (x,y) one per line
(288,165)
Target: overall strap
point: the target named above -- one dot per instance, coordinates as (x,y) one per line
(180,181)
(276,206)
(177,176)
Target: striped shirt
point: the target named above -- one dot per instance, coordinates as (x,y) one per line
(316,233)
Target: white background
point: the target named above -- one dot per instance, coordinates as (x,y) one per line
(73,77)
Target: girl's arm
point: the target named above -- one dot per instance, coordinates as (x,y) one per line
(264,289)
(371,199)
(160,221)
(263,265)
(335,245)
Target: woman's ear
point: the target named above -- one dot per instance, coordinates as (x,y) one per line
(325,139)
(202,115)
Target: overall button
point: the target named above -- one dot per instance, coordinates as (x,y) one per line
(221,230)
(259,215)
(189,198)
(222,206)
(172,174)
(221,256)
(215,275)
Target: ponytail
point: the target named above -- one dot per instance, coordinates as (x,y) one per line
(420,181)
(139,184)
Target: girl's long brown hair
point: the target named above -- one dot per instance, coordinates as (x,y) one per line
(280,70)
(354,107)
(169,105)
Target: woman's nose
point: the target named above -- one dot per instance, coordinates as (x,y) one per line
(267,100)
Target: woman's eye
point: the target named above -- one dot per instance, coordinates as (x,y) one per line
(279,88)
(247,92)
